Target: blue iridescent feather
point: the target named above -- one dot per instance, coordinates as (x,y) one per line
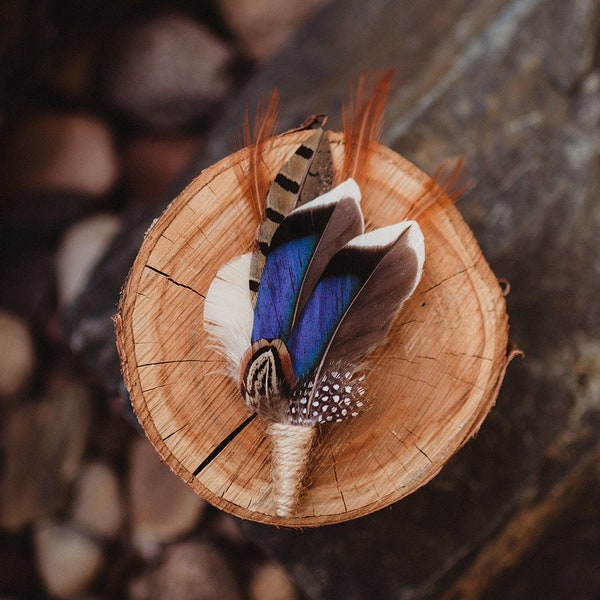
(279,288)
(299,252)
(327,296)
(317,322)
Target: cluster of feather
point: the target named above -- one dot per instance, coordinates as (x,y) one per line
(328,295)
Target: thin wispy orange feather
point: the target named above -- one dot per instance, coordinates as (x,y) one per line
(362,119)
(256,183)
(449,181)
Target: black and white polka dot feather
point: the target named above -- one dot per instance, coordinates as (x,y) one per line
(339,395)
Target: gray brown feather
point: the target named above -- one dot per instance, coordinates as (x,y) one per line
(394,271)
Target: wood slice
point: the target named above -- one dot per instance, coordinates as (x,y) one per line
(432,383)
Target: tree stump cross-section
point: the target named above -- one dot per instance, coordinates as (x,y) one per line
(431,384)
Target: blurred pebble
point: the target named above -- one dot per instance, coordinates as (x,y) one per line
(68,560)
(162,507)
(190,571)
(264,27)
(42,447)
(65,152)
(152,164)
(168,72)
(271,582)
(17,354)
(97,506)
(79,251)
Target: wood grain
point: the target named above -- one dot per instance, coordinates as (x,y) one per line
(431,385)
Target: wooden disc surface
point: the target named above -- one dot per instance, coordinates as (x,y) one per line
(431,384)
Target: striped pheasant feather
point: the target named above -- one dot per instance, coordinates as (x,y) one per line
(297,183)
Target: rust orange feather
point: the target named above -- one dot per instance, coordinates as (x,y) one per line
(362,120)
(256,183)
(449,181)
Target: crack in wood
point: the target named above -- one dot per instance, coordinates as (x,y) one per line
(174,432)
(396,457)
(335,475)
(169,278)
(223,444)
(157,387)
(423,453)
(453,276)
(468,355)
(180,361)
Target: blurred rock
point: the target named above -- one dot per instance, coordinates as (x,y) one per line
(66,152)
(17,354)
(263,27)
(67,559)
(226,527)
(97,505)
(162,507)
(190,571)
(153,163)
(87,322)
(81,247)
(168,72)
(271,582)
(42,447)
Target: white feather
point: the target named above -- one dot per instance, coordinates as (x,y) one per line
(417,242)
(228,312)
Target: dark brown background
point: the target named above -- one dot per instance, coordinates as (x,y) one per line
(514,87)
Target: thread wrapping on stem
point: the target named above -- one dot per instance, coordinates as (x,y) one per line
(291,445)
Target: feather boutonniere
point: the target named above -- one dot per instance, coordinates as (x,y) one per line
(356,337)
(315,297)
